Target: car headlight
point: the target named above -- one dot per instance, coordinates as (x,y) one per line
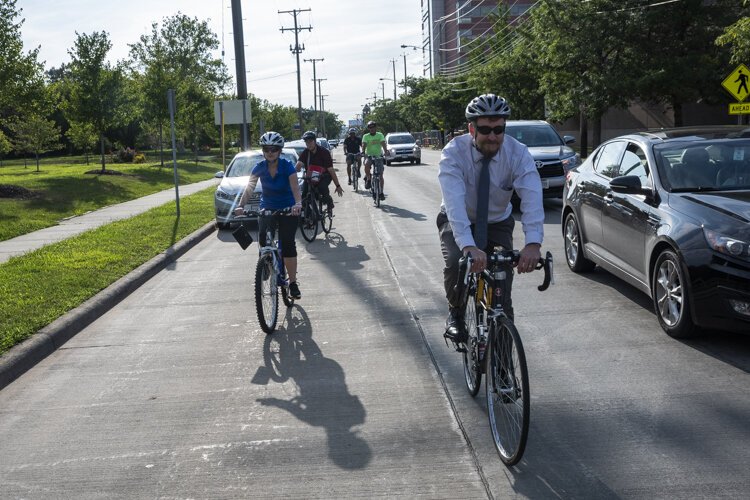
(570,162)
(223,195)
(727,245)
(392,152)
(416,149)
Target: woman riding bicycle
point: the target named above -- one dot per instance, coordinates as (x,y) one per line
(280,189)
(468,226)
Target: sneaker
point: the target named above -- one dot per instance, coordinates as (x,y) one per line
(382,196)
(367,183)
(294,290)
(455,330)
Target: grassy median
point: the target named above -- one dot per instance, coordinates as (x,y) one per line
(38,287)
(31,200)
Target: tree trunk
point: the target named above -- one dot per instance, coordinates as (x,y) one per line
(583,132)
(101,142)
(86,152)
(597,132)
(677,110)
(37,161)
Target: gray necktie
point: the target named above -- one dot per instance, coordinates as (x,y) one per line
(483,200)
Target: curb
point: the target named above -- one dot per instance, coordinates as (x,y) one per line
(28,353)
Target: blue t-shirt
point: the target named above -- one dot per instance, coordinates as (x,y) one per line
(276,192)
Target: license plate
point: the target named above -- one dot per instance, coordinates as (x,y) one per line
(545,183)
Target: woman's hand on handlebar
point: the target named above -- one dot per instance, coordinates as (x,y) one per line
(529,257)
(297,209)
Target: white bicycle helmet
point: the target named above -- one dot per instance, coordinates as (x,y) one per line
(272,139)
(352,131)
(487,105)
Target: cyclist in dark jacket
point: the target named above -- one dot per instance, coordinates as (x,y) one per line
(315,158)
(352,146)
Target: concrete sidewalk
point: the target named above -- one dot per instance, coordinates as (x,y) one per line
(77,225)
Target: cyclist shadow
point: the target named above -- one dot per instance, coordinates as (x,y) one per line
(403,213)
(323,398)
(337,252)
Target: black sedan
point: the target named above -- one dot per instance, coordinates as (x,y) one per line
(668,211)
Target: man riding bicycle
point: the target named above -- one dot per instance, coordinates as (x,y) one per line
(352,145)
(478,173)
(280,190)
(373,144)
(318,159)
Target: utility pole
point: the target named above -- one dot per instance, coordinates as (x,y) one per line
(320,95)
(322,110)
(315,88)
(394,79)
(405,89)
(382,88)
(296,51)
(239,62)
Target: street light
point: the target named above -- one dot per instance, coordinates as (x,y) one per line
(382,85)
(404,46)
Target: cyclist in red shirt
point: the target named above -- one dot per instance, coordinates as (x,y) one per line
(318,158)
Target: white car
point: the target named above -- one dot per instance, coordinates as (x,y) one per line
(402,146)
(234,181)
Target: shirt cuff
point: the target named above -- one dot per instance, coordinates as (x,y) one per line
(534,237)
(465,241)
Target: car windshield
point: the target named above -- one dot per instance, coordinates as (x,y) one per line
(716,165)
(401,139)
(534,135)
(243,165)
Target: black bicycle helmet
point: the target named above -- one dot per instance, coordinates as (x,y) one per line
(487,105)
(371,123)
(271,139)
(309,135)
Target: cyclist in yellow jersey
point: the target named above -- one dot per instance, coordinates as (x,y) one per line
(373,144)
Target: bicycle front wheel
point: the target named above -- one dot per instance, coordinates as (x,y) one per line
(355,176)
(326,218)
(266,294)
(507,388)
(472,356)
(309,220)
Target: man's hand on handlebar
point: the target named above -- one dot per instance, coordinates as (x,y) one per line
(529,258)
(478,259)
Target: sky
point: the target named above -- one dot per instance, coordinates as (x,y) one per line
(357,41)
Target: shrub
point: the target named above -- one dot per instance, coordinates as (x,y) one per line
(139,158)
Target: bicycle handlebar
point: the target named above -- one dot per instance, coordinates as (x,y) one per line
(263,213)
(511,257)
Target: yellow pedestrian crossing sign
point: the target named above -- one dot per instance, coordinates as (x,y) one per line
(737,81)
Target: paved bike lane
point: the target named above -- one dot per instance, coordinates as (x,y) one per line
(177,392)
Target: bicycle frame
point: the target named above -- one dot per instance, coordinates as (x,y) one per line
(274,249)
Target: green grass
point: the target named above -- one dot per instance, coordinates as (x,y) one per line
(38,287)
(65,189)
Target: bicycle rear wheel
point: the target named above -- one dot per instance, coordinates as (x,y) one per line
(507,389)
(266,293)
(472,359)
(309,220)
(326,218)
(376,190)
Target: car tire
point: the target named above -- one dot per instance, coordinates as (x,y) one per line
(574,246)
(670,297)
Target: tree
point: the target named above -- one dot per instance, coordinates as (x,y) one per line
(83,136)
(97,93)
(21,83)
(737,36)
(5,146)
(180,51)
(35,134)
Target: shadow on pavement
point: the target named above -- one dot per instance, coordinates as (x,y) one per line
(323,398)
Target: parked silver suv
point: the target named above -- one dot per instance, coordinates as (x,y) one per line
(402,147)
(551,153)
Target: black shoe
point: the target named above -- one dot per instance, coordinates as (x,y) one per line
(294,290)
(367,183)
(350,182)
(382,196)
(455,329)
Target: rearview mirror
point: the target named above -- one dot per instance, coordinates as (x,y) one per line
(219,174)
(569,139)
(627,184)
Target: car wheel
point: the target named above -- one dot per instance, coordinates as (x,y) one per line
(670,295)
(574,246)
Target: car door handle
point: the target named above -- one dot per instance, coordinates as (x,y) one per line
(609,198)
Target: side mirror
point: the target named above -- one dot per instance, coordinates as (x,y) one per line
(569,139)
(219,174)
(627,184)
(418,142)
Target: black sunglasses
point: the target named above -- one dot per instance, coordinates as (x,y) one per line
(271,149)
(485,130)
(371,126)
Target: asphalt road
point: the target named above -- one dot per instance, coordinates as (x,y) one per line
(177,392)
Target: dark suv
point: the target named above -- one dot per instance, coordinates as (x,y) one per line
(551,153)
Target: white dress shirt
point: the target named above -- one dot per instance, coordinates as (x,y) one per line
(511,168)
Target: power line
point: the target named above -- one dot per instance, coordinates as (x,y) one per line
(296,51)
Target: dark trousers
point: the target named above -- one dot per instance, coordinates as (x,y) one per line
(498,234)
(322,188)
(287,227)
